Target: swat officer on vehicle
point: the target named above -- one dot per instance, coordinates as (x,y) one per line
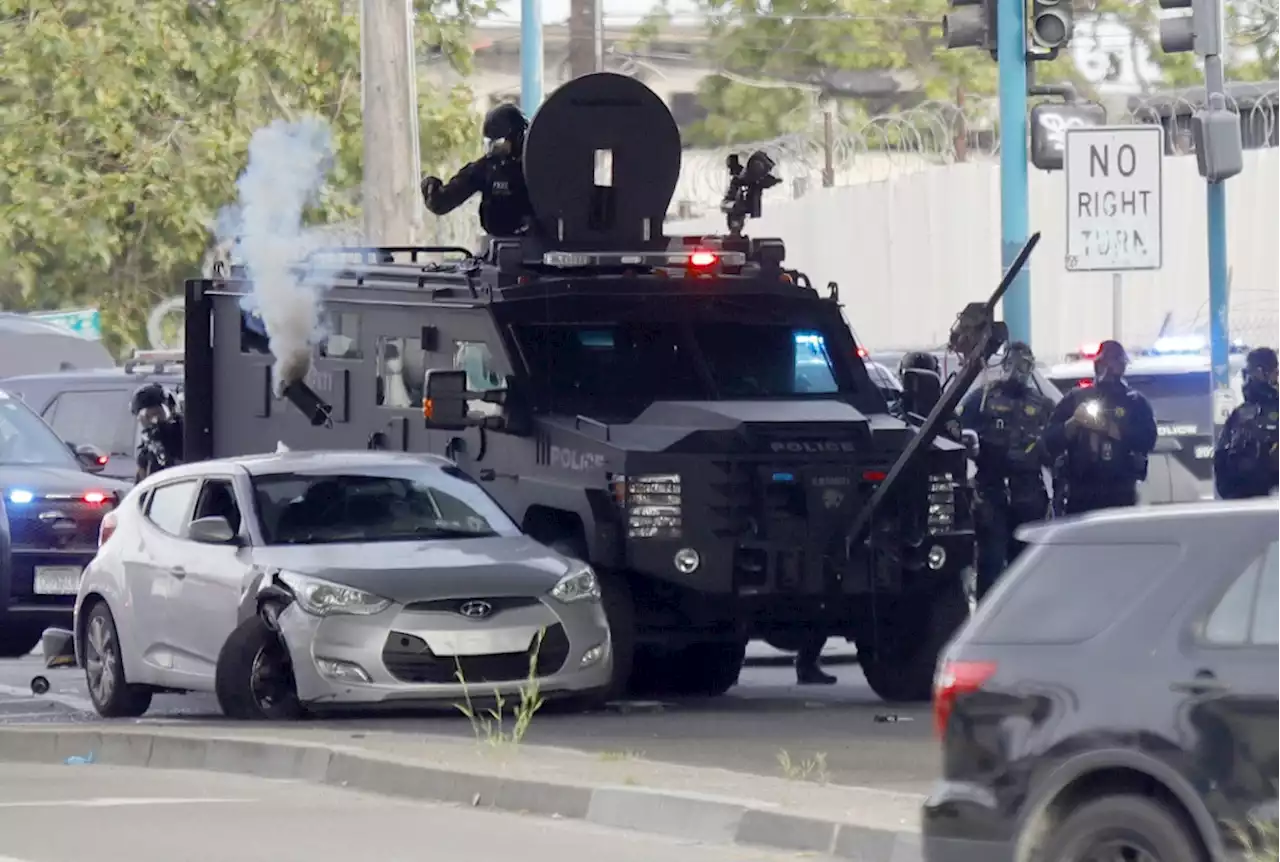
(160,422)
(498,176)
(1100,438)
(1008,416)
(1244,461)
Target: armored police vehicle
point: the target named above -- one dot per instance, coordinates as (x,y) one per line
(687,414)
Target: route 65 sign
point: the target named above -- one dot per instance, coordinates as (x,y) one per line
(1049,124)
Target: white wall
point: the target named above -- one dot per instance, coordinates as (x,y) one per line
(910,251)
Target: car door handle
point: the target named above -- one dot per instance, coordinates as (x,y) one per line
(1203,683)
(178,572)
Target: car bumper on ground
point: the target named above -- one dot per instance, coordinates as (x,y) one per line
(963,823)
(401,656)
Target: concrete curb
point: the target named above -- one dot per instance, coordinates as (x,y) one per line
(708,819)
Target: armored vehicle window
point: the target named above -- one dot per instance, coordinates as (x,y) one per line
(754,360)
(342,337)
(400,373)
(475,358)
(99,418)
(377,505)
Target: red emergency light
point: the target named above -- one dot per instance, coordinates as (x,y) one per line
(1085,383)
(1089,351)
(863,353)
(701,258)
(94,497)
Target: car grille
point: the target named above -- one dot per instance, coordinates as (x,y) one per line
(46,524)
(496,604)
(787,502)
(409,659)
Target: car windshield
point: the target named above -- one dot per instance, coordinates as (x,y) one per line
(1178,399)
(25,439)
(376,505)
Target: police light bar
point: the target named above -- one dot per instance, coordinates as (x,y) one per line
(1179,344)
(1089,351)
(691,258)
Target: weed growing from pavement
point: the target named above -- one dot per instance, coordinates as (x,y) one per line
(490,724)
(609,756)
(808,769)
(1260,840)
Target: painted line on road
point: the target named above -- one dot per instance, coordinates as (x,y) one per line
(114,802)
(12,859)
(68,700)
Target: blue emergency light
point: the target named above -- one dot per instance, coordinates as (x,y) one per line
(21,497)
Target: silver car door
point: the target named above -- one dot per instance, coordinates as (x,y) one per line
(149,569)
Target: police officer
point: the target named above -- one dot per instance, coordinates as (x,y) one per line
(156,411)
(1009,416)
(1244,461)
(1100,438)
(498,176)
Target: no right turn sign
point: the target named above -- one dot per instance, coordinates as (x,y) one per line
(1114,198)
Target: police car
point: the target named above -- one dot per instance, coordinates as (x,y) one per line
(91,407)
(1173,374)
(1169,478)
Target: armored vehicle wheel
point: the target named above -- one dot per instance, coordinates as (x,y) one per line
(899,654)
(789,642)
(707,669)
(18,639)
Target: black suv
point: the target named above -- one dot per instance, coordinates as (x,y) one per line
(1115,695)
(92,407)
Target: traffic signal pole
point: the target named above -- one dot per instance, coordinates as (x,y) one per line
(1011,43)
(530,56)
(1219,298)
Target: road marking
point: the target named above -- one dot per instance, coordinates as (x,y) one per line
(69,700)
(12,859)
(114,802)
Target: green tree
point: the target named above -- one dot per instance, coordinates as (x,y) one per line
(124,125)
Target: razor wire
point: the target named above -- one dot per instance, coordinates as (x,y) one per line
(871,150)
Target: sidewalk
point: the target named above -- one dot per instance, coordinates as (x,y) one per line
(617,789)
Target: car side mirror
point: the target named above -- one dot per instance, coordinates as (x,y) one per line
(91,458)
(921,390)
(444,399)
(213,530)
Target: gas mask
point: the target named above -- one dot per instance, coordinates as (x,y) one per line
(500,148)
(1019,365)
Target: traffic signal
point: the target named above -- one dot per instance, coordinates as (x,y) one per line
(1201,31)
(970,24)
(1052,22)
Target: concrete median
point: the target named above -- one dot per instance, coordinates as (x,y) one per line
(627,792)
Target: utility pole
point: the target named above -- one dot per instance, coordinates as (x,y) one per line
(585,48)
(389,99)
(1011,47)
(531,61)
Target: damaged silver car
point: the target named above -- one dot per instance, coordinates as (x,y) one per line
(291,582)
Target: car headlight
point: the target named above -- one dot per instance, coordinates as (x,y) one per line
(323,598)
(580,585)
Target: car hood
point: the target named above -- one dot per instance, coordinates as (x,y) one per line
(57,480)
(409,571)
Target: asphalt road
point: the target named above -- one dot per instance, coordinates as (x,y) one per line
(139,815)
(839,730)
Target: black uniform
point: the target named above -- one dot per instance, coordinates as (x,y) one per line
(498,176)
(1009,416)
(1244,460)
(162,430)
(1100,438)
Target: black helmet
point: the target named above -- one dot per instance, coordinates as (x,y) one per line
(1261,365)
(150,396)
(505,122)
(1111,362)
(919,359)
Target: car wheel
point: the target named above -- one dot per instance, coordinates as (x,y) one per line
(111,693)
(1121,827)
(254,676)
(18,639)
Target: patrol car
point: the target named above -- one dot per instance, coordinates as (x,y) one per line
(1173,374)
(633,399)
(91,407)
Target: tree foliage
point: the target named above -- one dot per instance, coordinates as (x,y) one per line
(123,128)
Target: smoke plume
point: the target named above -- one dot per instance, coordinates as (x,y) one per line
(288,163)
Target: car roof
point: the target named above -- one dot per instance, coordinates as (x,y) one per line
(1148,524)
(84,376)
(271,463)
(1146,366)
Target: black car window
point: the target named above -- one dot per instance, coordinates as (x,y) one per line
(1066,594)
(100,418)
(375,505)
(170,504)
(218,500)
(1247,612)
(25,440)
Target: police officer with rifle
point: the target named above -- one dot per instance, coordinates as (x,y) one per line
(1244,460)
(1009,417)
(498,176)
(156,411)
(1100,438)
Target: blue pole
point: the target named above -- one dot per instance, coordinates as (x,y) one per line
(530,56)
(1219,299)
(1011,44)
